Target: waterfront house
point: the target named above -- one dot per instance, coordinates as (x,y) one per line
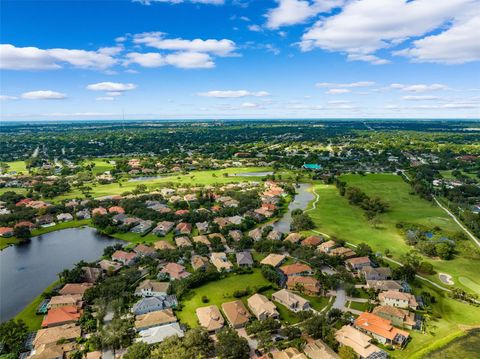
(144,250)
(163,228)
(142,227)
(126,258)
(109,266)
(75,288)
(91,274)
(6,232)
(61,316)
(67,300)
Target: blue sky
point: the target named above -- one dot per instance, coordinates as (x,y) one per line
(174,59)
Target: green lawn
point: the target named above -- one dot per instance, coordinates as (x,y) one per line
(466,346)
(5,242)
(28,314)
(137,238)
(101,165)
(193,178)
(62,225)
(217,292)
(335,216)
(17,166)
(359,306)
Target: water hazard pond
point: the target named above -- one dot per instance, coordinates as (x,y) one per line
(27,269)
(303,197)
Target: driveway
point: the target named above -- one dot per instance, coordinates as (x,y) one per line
(340,298)
(252,343)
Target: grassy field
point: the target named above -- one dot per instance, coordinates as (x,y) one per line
(467,346)
(335,216)
(28,314)
(17,166)
(101,165)
(218,292)
(5,242)
(194,178)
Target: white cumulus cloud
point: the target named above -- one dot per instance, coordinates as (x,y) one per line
(348,85)
(43,95)
(419,87)
(7,98)
(33,58)
(111,86)
(337,91)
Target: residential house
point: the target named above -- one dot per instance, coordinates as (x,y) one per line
(399,317)
(61,316)
(221,262)
(202,239)
(65,333)
(153,319)
(152,288)
(244,259)
(293,237)
(151,304)
(236,313)
(52,350)
(358,263)
(296,269)
(359,342)
(275,236)
(202,227)
(312,241)
(398,299)
(213,236)
(64,217)
(163,228)
(75,288)
(381,273)
(83,214)
(99,211)
(91,274)
(142,227)
(159,333)
(235,234)
(6,232)
(45,220)
(237,220)
(199,262)
(307,285)
(162,245)
(222,222)
(109,266)
(326,247)
(27,224)
(67,300)
(210,318)
(183,241)
(116,209)
(126,258)
(387,285)
(291,300)
(144,250)
(119,218)
(317,349)
(289,353)
(381,329)
(255,234)
(175,271)
(183,228)
(261,307)
(273,260)
(342,252)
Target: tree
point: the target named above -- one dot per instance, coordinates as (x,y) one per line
(364,250)
(12,335)
(196,344)
(231,346)
(346,352)
(301,222)
(22,232)
(139,350)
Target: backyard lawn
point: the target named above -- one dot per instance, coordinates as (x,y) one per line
(218,292)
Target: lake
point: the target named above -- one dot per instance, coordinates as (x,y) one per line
(27,269)
(303,197)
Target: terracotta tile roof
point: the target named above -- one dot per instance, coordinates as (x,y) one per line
(273,259)
(296,268)
(75,288)
(307,283)
(312,241)
(236,313)
(379,326)
(60,316)
(155,318)
(52,335)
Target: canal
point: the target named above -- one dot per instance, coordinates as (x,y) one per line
(303,197)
